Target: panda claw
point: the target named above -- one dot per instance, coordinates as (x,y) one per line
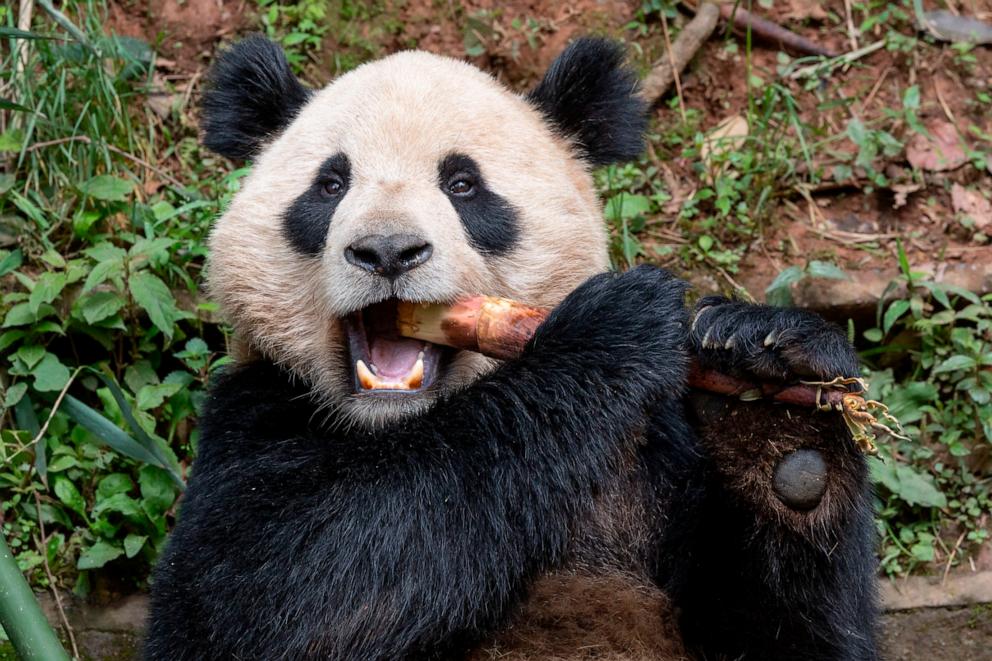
(695,319)
(730,343)
(707,344)
(771,339)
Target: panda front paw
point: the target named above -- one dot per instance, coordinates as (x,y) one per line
(630,326)
(771,343)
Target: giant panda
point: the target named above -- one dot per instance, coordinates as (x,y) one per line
(574,503)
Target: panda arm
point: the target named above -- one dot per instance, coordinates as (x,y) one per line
(781,566)
(417,540)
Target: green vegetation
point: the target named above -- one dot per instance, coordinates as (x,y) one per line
(100,309)
(934,354)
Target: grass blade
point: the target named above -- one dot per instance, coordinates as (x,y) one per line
(14,33)
(10,105)
(66,24)
(163,457)
(95,423)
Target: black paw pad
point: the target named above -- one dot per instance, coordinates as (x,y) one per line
(800,479)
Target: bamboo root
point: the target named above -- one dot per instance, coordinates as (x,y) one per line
(501,328)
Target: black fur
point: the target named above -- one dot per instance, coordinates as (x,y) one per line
(251,95)
(591,97)
(298,542)
(770,342)
(306,221)
(489,220)
(304,541)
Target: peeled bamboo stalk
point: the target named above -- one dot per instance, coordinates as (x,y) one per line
(500,328)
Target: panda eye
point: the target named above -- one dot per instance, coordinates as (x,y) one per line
(332,187)
(461,185)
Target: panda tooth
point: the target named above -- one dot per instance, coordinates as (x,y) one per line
(365,376)
(415,378)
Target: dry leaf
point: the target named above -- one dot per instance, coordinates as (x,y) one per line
(973,204)
(727,136)
(802,9)
(941,150)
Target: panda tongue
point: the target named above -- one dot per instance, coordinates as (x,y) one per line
(394,358)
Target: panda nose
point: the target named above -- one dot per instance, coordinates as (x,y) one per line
(389,256)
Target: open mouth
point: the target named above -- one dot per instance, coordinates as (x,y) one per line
(381,360)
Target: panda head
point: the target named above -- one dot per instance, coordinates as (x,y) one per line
(415,177)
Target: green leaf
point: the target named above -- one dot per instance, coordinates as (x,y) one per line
(98,306)
(909,485)
(8,338)
(62,462)
(627,206)
(11,261)
(151,294)
(107,187)
(896,310)
(46,289)
(98,555)
(30,355)
(120,503)
(11,140)
(779,292)
(67,492)
(103,270)
(7,182)
(14,394)
(19,315)
(50,375)
(157,489)
(705,242)
(818,269)
(114,484)
(956,363)
(151,396)
(133,544)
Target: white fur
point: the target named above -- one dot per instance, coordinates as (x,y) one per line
(396,119)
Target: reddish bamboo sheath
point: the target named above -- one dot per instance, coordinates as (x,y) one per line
(501,328)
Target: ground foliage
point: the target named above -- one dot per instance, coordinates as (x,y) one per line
(107,340)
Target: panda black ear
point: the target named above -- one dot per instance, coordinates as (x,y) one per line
(251,95)
(591,96)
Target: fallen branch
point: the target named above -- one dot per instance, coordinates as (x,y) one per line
(688,43)
(771,32)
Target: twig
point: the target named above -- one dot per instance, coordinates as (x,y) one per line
(943,103)
(874,89)
(675,70)
(852,33)
(24,13)
(844,60)
(688,43)
(770,31)
(128,155)
(55,407)
(43,550)
(950,557)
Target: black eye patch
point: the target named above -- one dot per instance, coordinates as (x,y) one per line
(306,221)
(488,219)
